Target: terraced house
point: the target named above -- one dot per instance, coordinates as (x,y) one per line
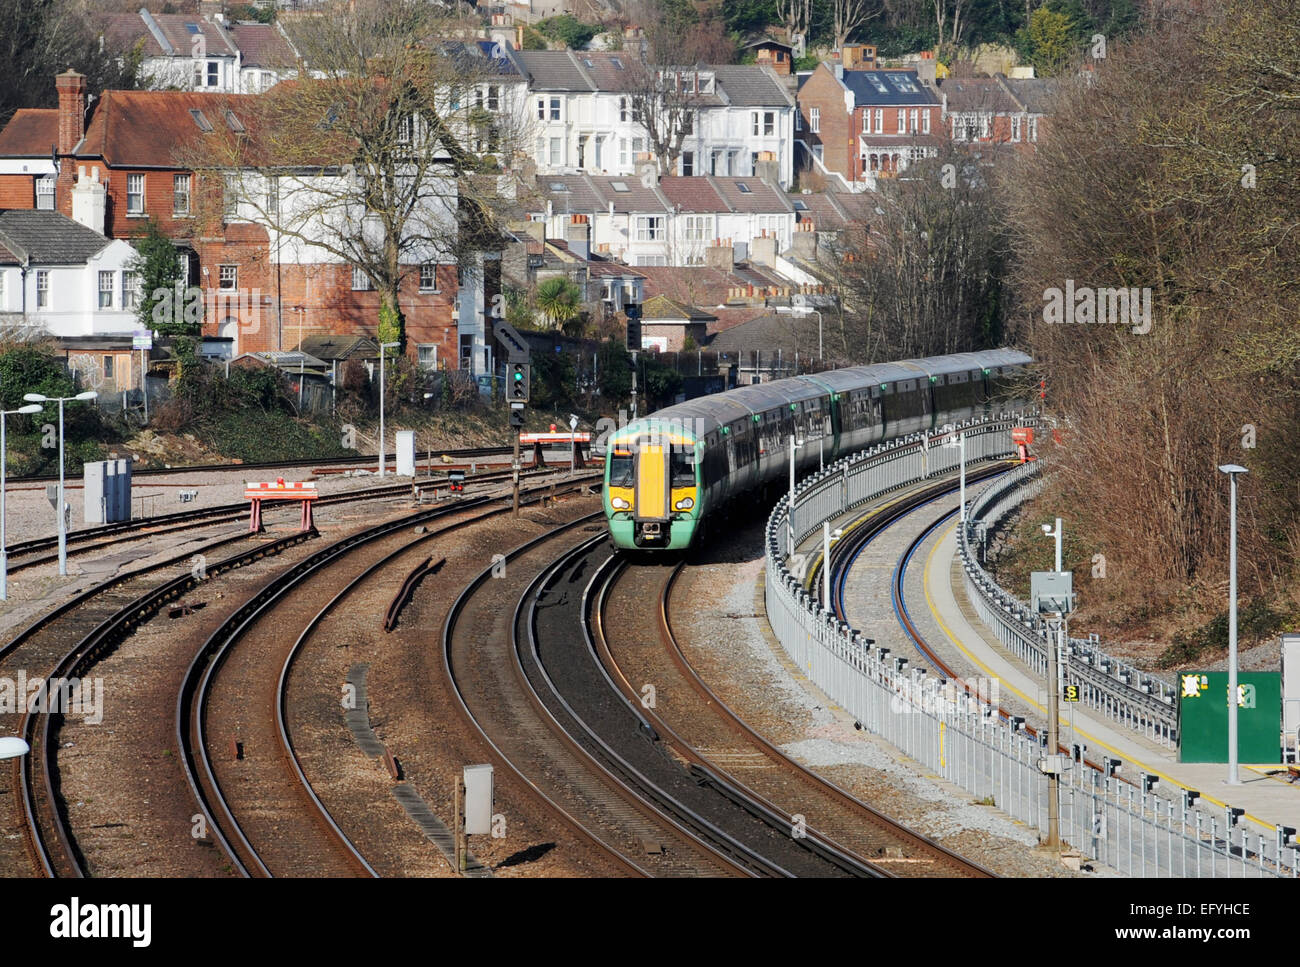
(584,109)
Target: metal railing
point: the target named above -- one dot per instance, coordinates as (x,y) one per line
(1119,691)
(950,731)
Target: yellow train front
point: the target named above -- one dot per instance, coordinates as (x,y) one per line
(666,474)
(652,486)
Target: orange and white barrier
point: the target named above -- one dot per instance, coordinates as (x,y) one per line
(279,490)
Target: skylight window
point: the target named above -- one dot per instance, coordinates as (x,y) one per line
(800,206)
(618,64)
(234,123)
(618,185)
(559,186)
(877,83)
(742,188)
(203,123)
(192,28)
(903,83)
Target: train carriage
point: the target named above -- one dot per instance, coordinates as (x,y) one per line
(667,473)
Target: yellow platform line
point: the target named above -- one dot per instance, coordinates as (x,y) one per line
(929,601)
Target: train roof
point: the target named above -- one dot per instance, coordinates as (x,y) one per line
(708,413)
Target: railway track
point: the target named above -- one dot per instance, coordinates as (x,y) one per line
(33,553)
(706,732)
(495,700)
(261,808)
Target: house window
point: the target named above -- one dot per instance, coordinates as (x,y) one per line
(866,122)
(1031,131)
(649,228)
(688,123)
(555,109)
(130,290)
(273,195)
(880,120)
(798,120)
(699,228)
(557,151)
(360,281)
(902,120)
(622,152)
(230,196)
(180,194)
(622,109)
(106,290)
(688,163)
(108,367)
(198,74)
(1015,127)
(135,194)
(925,123)
(428,277)
(45,194)
(228,276)
(912,121)
(815,120)
(541,109)
(214,73)
(42,289)
(427,355)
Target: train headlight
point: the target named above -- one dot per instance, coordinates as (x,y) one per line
(619,503)
(686,503)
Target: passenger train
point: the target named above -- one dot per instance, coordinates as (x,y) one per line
(667,473)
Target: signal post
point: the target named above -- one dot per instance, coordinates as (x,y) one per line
(519,372)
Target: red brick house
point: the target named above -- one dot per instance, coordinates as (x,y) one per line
(129,161)
(856,126)
(995,110)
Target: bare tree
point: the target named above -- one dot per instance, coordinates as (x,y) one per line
(666,102)
(386,153)
(848,15)
(796,16)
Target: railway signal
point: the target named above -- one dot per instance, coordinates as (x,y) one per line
(519,381)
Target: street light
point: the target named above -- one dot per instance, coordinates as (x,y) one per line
(4,555)
(63,522)
(803,311)
(383,347)
(1047,531)
(1232,469)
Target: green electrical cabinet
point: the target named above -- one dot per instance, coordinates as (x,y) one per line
(1203,717)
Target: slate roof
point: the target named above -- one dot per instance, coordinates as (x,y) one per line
(48,238)
(739,85)
(660,308)
(752,85)
(750,195)
(30,133)
(332,347)
(1033,93)
(866,88)
(977,94)
(262,45)
(769,332)
(554,70)
(590,193)
(177,34)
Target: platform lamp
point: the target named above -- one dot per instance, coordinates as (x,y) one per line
(63,522)
(4,452)
(1232,470)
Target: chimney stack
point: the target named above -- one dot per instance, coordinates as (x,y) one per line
(72,109)
(720,255)
(647,169)
(768,168)
(577,235)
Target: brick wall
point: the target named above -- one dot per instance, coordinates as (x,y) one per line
(825,93)
(17,191)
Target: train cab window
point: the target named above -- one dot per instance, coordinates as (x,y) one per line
(620,469)
(681,467)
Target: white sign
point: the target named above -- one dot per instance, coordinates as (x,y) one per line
(142,339)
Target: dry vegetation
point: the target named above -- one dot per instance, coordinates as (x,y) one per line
(1174,167)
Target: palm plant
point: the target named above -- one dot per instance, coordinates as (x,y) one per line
(559,300)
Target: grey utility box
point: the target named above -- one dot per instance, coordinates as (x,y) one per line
(1052,592)
(478,800)
(406,453)
(107,491)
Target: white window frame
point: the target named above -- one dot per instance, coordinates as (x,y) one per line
(130,290)
(815,120)
(913,121)
(432,286)
(688,161)
(42,289)
(228,274)
(798,120)
(1015,127)
(422,351)
(556,113)
(925,121)
(45,192)
(181,193)
(985,124)
(1031,129)
(649,228)
(902,120)
(880,120)
(214,73)
(273,195)
(360,281)
(556,156)
(138,195)
(106,294)
(697,228)
(622,153)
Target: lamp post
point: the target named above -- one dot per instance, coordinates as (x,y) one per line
(828,536)
(803,311)
(4,554)
(573,443)
(63,523)
(383,353)
(300,310)
(1232,469)
(789,518)
(1047,530)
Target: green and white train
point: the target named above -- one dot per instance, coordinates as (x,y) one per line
(666,473)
